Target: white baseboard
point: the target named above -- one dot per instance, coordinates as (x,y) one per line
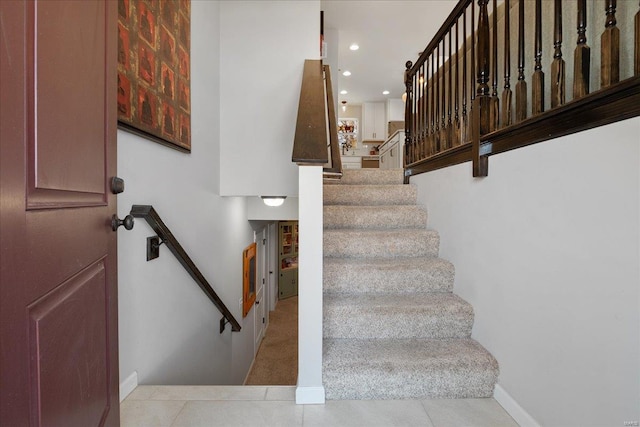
(310,395)
(514,409)
(128,385)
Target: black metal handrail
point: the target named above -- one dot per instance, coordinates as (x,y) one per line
(148,213)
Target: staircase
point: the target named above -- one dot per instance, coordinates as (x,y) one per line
(393,329)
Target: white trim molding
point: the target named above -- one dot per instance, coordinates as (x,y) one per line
(128,385)
(513,408)
(310,395)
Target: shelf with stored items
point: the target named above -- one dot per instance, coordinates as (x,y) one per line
(288,259)
(391,151)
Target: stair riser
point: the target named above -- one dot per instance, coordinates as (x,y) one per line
(366,217)
(370,195)
(371,176)
(381,279)
(389,383)
(409,243)
(381,323)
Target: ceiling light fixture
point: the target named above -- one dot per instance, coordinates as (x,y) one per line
(343,92)
(346,73)
(385,92)
(354,46)
(273,200)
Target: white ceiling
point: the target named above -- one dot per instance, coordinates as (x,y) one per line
(389,33)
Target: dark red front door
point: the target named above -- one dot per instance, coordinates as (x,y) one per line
(58,287)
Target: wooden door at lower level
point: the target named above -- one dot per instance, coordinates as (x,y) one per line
(58,260)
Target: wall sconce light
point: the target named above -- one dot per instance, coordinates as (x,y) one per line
(344,105)
(273,200)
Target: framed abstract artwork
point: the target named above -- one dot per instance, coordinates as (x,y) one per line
(154,75)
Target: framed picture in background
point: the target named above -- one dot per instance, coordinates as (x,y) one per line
(154,70)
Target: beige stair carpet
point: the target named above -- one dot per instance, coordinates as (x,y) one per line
(393,329)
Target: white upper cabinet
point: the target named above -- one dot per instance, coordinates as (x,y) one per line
(395,110)
(374,121)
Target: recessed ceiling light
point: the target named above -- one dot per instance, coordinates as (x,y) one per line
(354,46)
(346,73)
(343,92)
(385,92)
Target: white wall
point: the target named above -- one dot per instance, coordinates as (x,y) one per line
(168,327)
(257,210)
(263,45)
(546,249)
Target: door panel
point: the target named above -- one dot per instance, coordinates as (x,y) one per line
(77,360)
(67,139)
(58,259)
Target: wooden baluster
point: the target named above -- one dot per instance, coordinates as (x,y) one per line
(416,103)
(423,112)
(408,114)
(444,137)
(464,137)
(482,105)
(582,55)
(436,135)
(537,84)
(495,103)
(450,98)
(455,131)
(636,67)
(432,103)
(558,65)
(521,86)
(472,83)
(416,97)
(426,107)
(610,48)
(506,93)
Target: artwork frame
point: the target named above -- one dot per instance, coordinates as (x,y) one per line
(249,278)
(154,70)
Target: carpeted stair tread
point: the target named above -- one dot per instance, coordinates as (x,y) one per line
(409,216)
(425,315)
(407,369)
(392,327)
(381,243)
(370,195)
(369,177)
(399,275)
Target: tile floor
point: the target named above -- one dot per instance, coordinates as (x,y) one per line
(232,406)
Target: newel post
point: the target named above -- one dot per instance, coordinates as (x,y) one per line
(481,112)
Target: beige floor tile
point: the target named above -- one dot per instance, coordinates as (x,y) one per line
(281,393)
(467,413)
(238,414)
(142,392)
(179,392)
(351,413)
(149,413)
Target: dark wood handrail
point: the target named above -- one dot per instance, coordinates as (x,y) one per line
(153,219)
(316,137)
(310,141)
(487,127)
(335,168)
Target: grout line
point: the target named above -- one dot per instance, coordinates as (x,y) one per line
(422,402)
(184,404)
